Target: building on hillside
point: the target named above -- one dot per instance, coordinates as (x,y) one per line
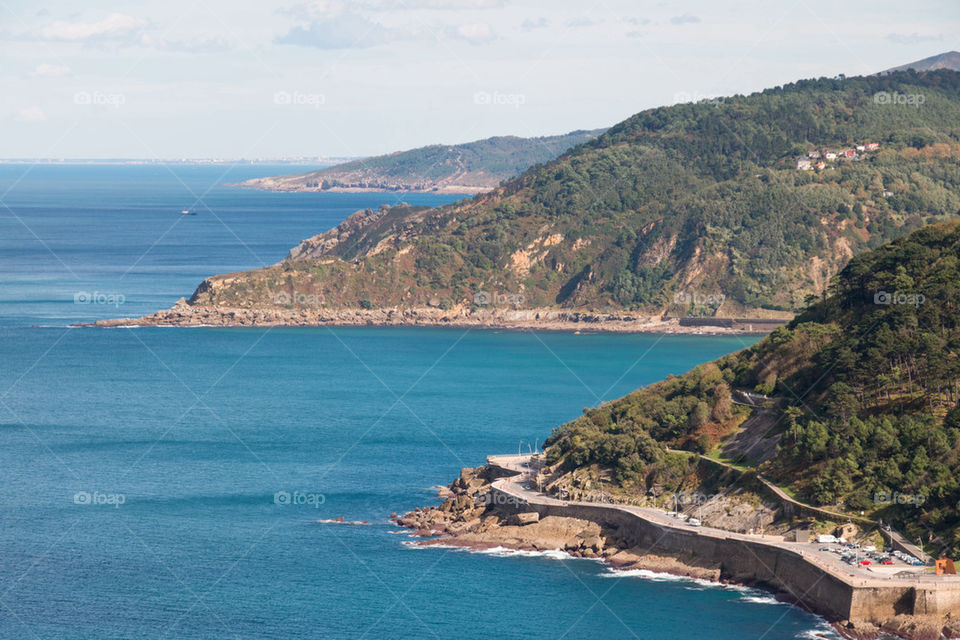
(830,155)
(860,147)
(821,165)
(872,146)
(803,164)
(813,155)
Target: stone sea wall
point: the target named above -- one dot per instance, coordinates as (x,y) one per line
(783,570)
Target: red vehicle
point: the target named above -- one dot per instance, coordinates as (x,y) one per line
(864,562)
(886,561)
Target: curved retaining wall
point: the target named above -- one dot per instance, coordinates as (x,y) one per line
(740,561)
(784,570)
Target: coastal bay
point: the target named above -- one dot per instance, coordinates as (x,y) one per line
(284,410)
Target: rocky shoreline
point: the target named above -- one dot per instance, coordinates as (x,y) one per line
(471,516)
(184,314)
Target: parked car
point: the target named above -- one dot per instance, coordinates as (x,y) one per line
(864,562)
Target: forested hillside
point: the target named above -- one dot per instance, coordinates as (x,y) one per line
(867,388)
(735,206)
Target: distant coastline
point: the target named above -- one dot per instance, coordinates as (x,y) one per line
(262,184)
(471,167)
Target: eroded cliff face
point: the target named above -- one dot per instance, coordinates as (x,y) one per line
(393,259)
(327,242)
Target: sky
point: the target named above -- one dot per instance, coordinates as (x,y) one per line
(251,79)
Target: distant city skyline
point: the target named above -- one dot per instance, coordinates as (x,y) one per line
(338,78)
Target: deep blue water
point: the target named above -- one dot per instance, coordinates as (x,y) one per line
(187,435)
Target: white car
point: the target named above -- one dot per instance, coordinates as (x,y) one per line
(693,522)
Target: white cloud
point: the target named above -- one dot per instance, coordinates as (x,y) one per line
(116,26)
(314,10)
(333,24)
(685,19)
(434,4)
(530,25)
(475,33)
(31,115)
(581,21)
(346,30)
(50,71)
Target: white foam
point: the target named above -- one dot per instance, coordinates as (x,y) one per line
(497,552)
(762,599)
(416,544)
(658,576)
(503,552)
(356,523)
(821,632)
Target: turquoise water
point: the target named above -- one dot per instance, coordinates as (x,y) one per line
(142,467)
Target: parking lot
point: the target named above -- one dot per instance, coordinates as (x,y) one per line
(864,561)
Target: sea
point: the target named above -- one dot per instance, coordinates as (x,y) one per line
(188,482)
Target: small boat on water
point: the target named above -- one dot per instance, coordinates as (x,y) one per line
(188,212)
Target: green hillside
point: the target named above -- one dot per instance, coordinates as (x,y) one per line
(690,209)
(866,390)
(479,165)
